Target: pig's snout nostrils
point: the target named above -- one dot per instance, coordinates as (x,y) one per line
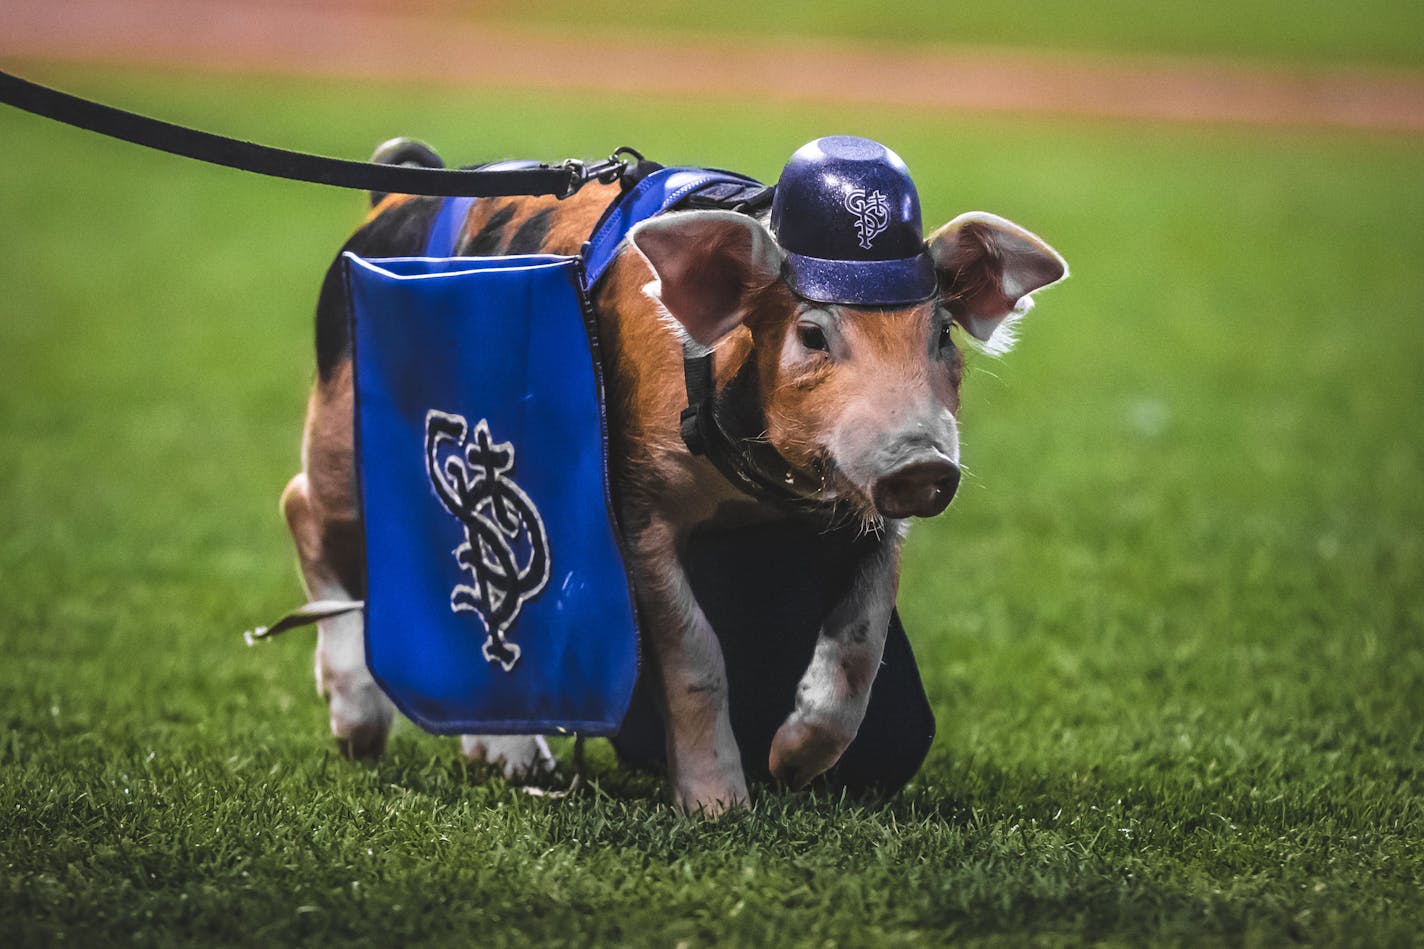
(919,489)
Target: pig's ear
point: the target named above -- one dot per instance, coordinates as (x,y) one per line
(989,269)
(707,264)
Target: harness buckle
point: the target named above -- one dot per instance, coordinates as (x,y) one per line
(693,434)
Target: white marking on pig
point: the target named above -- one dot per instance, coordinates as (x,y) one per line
(1006,334)
(359,711)
(515,755)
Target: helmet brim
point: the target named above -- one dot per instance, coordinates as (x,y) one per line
(863,282)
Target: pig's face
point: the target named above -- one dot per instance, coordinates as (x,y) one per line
(865,396)
(869,397)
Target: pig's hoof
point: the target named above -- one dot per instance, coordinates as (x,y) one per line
(710,801)
(360,719)
(516,755)
(361,743)
(802,750)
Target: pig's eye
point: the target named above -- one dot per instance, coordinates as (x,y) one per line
(812,337)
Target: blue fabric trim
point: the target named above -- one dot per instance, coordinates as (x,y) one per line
(650,197)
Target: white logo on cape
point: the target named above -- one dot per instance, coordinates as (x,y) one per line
(506,550)
(872,214)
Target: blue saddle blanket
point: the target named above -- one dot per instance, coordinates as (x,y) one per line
(497,599)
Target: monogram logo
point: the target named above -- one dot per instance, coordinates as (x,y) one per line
(872,214)
(506,550)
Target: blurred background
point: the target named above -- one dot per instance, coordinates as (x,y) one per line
(1187,560)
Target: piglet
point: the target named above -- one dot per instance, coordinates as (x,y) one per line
(827,330)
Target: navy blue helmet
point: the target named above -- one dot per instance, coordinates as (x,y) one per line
(848,217)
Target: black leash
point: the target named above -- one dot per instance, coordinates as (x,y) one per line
(562,179)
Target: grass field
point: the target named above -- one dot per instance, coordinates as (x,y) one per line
(1307,33)
(1171,629)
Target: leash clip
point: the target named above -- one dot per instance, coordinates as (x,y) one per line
(606,171)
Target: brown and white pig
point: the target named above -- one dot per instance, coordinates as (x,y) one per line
(860,401)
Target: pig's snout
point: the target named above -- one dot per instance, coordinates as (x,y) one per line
(919,489)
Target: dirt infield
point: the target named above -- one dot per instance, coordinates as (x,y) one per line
(417,41)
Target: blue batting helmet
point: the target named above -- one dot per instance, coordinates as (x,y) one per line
(848,217)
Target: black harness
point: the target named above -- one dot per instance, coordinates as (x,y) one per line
(730,431)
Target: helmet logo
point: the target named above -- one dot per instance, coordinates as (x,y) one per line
(872,214)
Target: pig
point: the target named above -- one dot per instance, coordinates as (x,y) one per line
(861,401)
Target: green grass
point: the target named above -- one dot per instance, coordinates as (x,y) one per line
(1171,629)
(1301,32)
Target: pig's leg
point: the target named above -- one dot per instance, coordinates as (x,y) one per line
(835,689)
(360,712)
(704,765)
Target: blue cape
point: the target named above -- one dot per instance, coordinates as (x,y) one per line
(497,600)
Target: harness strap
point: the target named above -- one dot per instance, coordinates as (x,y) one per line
(701,390)
(450,219)
(445,229)
(737,447)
